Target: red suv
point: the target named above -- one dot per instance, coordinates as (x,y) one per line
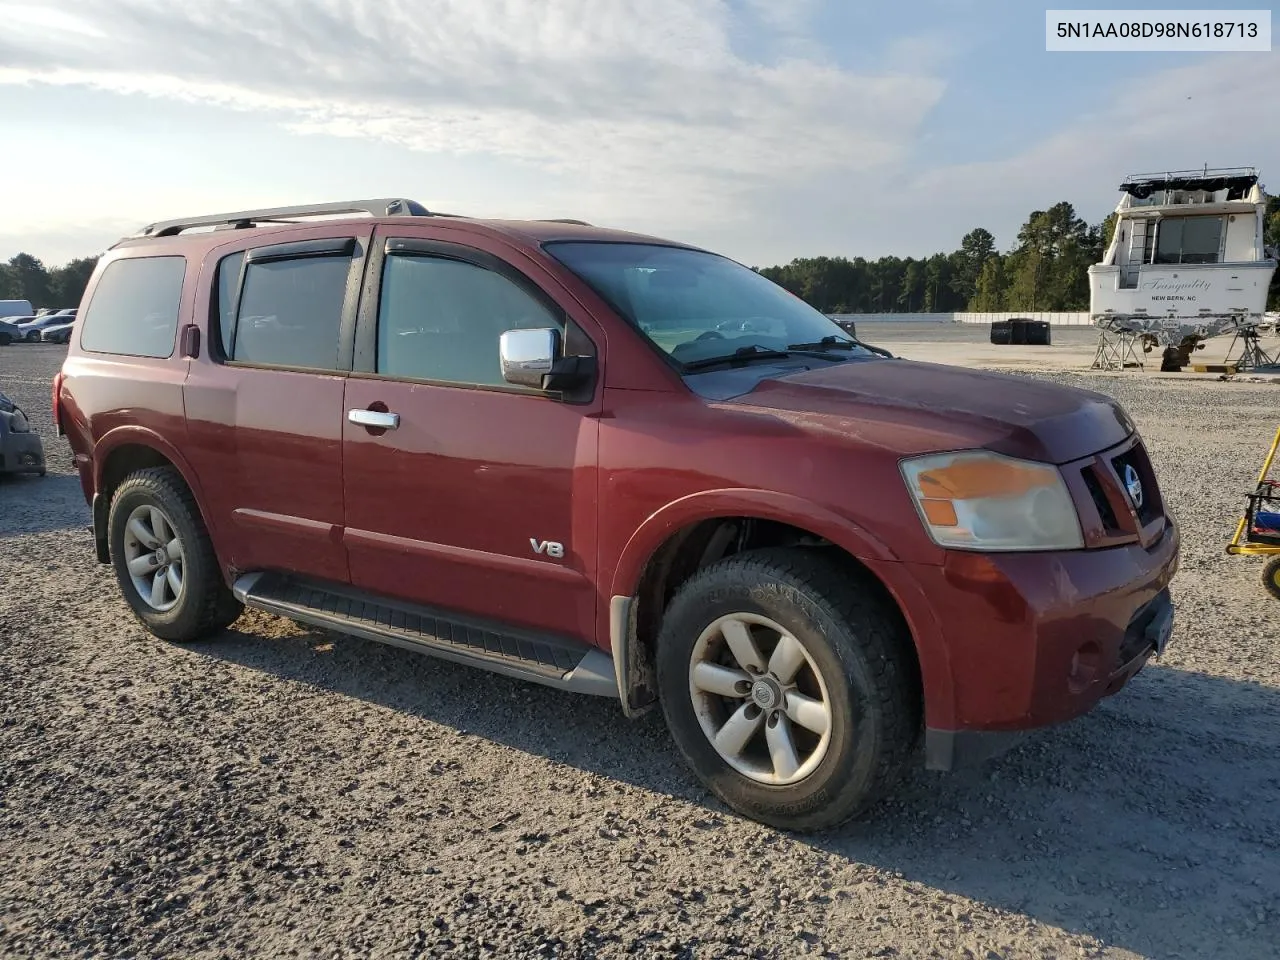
(616,465)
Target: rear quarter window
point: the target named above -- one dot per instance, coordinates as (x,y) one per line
(134,310)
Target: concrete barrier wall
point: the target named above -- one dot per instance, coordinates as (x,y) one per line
(1080,319)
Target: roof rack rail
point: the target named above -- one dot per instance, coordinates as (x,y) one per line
(386,207)
(580,223)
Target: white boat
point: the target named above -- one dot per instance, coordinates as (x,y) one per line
(1186,259)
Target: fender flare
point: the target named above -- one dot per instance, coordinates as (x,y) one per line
(740,502)
(132,435)
(876,555)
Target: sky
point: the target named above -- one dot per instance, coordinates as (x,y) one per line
(763,129)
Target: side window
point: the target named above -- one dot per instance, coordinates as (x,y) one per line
(290,312)
(441,319)
(134,310)
(228,287)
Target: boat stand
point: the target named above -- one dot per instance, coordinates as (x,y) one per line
(1118,350)
(1252,356)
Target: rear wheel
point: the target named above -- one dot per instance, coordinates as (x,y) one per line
(5,339)
(33,336)
(1271,577)
(789,686)
(164,560)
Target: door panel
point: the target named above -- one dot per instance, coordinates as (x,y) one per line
(442,510)
(482,499)
(268,447)
(264,401)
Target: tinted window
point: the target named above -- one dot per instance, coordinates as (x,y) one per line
(134,310)
(1189,240)
(228,287)
(290,312)
(442,319)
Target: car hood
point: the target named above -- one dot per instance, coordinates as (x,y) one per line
(908,407)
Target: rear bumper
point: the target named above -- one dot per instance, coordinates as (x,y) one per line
(21,453)
(1033,640)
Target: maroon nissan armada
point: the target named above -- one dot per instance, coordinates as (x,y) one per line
(616,465)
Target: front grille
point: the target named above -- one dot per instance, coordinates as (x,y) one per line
(1151,508)
(1105,513)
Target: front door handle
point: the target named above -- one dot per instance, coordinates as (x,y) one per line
(374,418)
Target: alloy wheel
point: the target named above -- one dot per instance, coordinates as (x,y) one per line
(760,699)
(153,553)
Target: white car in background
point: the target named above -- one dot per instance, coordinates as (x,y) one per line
(16,308)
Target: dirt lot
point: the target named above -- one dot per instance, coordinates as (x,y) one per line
(287,794)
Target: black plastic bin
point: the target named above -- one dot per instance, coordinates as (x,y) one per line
(1038,333)
(1021,331)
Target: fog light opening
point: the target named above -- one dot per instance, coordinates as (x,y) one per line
(1086,664)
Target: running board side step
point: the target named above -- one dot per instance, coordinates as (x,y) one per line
(555,662)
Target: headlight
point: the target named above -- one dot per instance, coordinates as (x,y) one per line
(977,500)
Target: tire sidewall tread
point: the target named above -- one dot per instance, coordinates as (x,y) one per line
(207,606)
(1269,573)
(858,645)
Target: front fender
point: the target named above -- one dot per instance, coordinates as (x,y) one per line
(874,554)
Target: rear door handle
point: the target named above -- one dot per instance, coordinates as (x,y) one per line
(374,418)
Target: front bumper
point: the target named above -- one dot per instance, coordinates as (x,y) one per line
(1034,640)
(21,452)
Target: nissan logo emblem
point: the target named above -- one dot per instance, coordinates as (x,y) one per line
(1133,484)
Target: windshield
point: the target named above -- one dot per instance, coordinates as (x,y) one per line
(699,307)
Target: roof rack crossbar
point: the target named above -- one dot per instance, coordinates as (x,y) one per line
(386,207)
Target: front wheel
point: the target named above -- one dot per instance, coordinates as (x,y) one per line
(164,560)
(789,686)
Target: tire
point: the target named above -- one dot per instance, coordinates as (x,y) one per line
(858,659)
(203,606)
(33,336)
(1271,577)
(5,339)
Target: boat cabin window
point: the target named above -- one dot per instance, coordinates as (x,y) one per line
(1189,240)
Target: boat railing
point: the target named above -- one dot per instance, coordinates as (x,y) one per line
(1198,172)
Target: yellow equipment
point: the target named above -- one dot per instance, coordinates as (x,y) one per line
(1258,532)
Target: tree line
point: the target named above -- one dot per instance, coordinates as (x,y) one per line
(1045,270)
(24,277)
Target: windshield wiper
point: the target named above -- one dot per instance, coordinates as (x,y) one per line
(825,343)
(838,343)
(750,352)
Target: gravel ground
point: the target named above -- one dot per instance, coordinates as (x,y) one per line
(281,793)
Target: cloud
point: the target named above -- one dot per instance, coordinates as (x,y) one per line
(637,103)
(1177,118)
(721,122)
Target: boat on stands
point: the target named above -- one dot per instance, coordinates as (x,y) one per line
(1186,261)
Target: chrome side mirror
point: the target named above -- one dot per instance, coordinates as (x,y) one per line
(528,355)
